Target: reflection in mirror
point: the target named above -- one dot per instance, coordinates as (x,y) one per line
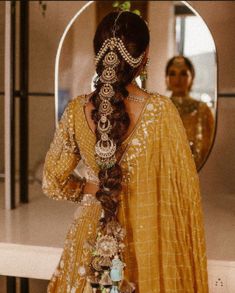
(196,115)
(185,34)
(191,83)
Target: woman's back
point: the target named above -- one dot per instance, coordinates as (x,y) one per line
(139,203)
(160,202)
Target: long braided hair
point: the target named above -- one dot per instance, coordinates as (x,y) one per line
(134,33)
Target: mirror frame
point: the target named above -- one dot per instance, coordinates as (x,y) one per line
(216,85)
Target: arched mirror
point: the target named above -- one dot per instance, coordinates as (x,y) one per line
(176,30)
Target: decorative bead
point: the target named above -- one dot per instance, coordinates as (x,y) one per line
(150,107)
(108,75)
(82,271)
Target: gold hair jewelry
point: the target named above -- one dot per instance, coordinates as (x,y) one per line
(105,147)
(108,75)
(106,91)
(118,43)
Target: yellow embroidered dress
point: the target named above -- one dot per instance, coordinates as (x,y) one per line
(160,203)
(198,121)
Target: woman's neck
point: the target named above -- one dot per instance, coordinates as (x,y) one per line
(135,90)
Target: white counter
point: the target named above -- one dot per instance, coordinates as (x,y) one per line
(32,236)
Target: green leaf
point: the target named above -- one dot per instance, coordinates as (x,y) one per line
(122,7)
(127,4)
(136,11)
(116,4)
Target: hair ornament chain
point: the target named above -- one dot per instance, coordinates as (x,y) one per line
(105,147)
(114,42)
(106,92)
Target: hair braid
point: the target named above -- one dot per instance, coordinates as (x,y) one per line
(133,32)
(111,178)
(119,54)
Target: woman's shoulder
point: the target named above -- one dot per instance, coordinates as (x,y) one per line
(76,102)
(73,109)
(160,101)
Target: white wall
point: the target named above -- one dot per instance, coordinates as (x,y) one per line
(161,24)
(45,33)
(2,20)
(220,17)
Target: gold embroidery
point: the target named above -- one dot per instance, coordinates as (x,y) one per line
(61,159)
(160,206)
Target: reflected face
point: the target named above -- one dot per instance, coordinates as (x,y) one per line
(179,80)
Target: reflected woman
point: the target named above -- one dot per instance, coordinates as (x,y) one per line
(139,225)
(196,116)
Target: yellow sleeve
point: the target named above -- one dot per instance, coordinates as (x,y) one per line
(61,159)
(180,182)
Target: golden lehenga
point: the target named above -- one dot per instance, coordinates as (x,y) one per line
(198,121)
(160,202)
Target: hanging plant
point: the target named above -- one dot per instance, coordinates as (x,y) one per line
(125,6)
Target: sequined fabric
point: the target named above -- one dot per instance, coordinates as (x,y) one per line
(199,125)
(61,159)
(160,205)
(70,274)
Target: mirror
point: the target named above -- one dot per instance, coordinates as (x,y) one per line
(185,33)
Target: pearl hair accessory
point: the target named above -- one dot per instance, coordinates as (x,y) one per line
(118,43)
(105,147)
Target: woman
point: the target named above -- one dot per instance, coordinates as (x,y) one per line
(196,116)
(138,226)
